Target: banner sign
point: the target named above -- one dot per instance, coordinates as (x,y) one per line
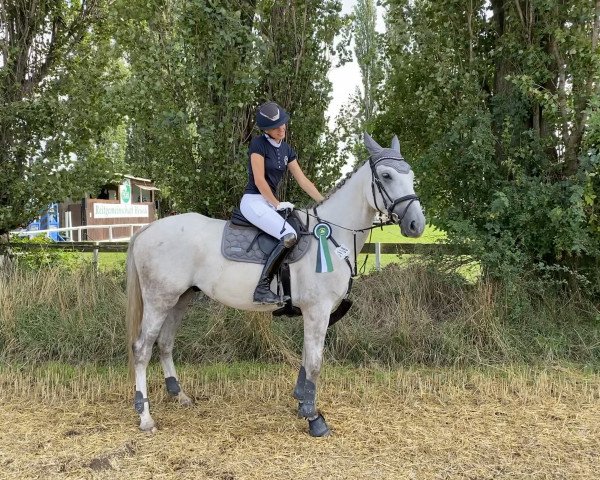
(118,210)
(125,192)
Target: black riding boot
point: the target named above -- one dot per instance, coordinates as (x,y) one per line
(263,293)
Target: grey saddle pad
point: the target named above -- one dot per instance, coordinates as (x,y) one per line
(237,239)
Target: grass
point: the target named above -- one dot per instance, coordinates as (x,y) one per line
(107,261)
(55,382)
(404,315)
(427,377)
(111,261)
(391,234)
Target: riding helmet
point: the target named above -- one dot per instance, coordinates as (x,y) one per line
(270,115)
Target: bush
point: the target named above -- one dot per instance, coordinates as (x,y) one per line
(401,316)
(43,257)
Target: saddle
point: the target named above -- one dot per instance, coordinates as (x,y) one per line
(243,242)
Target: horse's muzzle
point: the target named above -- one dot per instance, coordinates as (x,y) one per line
(413,223)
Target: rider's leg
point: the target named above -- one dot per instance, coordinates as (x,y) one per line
(258,211)
(263,293)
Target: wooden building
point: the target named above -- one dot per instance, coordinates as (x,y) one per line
(127,200)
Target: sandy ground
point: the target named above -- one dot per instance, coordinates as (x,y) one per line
(418,424)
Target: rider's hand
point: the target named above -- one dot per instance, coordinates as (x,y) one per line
(285,206)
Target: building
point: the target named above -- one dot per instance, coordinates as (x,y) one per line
(128,200)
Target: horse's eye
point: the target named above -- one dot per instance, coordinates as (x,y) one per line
(386,175)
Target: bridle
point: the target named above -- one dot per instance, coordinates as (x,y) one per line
(388,202)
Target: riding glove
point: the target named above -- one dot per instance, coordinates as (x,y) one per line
(285,206)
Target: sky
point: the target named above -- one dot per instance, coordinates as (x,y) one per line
(345,79)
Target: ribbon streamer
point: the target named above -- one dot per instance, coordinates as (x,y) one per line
(323,231)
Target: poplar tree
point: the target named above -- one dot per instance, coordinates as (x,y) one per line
(497,104)
(200,69)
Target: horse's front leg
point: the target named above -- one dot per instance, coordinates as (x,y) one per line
(316,321)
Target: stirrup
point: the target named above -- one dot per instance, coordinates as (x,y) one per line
(271,301)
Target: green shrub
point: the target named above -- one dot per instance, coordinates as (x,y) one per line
(402,315)
(44,257)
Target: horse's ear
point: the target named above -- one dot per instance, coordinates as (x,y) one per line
(396,144)
(372,146)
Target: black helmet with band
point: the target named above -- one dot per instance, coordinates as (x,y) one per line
(270,115)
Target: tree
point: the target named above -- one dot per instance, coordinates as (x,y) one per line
(356,116)
(497,104)
(299,50)
(368,54)
(56,77)
(198,72)
(169,86)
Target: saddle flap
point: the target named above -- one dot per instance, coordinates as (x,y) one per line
(249,244)
(266,242)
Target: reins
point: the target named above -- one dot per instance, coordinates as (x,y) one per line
(353,269)
(388,202)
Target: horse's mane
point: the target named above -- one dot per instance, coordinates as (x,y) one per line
(338,185)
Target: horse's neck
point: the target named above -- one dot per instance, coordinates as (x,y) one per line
(349,208)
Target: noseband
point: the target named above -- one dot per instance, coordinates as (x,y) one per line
(388,202)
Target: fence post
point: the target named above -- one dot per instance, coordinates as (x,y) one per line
(378,256)
(130,231)
(95,259)
(69,224)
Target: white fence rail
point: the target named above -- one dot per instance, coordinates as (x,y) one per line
(75,234)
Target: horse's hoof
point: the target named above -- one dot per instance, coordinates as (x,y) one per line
(148,426)
(318,427)
(184,400)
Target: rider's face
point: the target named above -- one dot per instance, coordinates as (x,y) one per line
(278,133)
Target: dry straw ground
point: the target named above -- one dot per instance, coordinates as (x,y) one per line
(65,422)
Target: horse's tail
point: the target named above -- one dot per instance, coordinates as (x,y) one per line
(135,304)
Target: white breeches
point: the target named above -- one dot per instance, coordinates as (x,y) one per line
(262,214)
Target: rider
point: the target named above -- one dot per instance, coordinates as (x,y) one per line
(269,158)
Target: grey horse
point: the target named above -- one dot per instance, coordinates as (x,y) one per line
(171,257)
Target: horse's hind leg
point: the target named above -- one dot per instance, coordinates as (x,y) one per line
(152,322)
(166,340)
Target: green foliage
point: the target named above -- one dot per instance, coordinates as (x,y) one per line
(368,55)
(198,71)
(356,116)
(39,259)
(402,315)
(57,111)
(165,89)
(496,106)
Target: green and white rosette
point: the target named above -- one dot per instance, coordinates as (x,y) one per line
(323,231)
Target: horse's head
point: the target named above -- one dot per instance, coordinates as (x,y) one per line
(391,190)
